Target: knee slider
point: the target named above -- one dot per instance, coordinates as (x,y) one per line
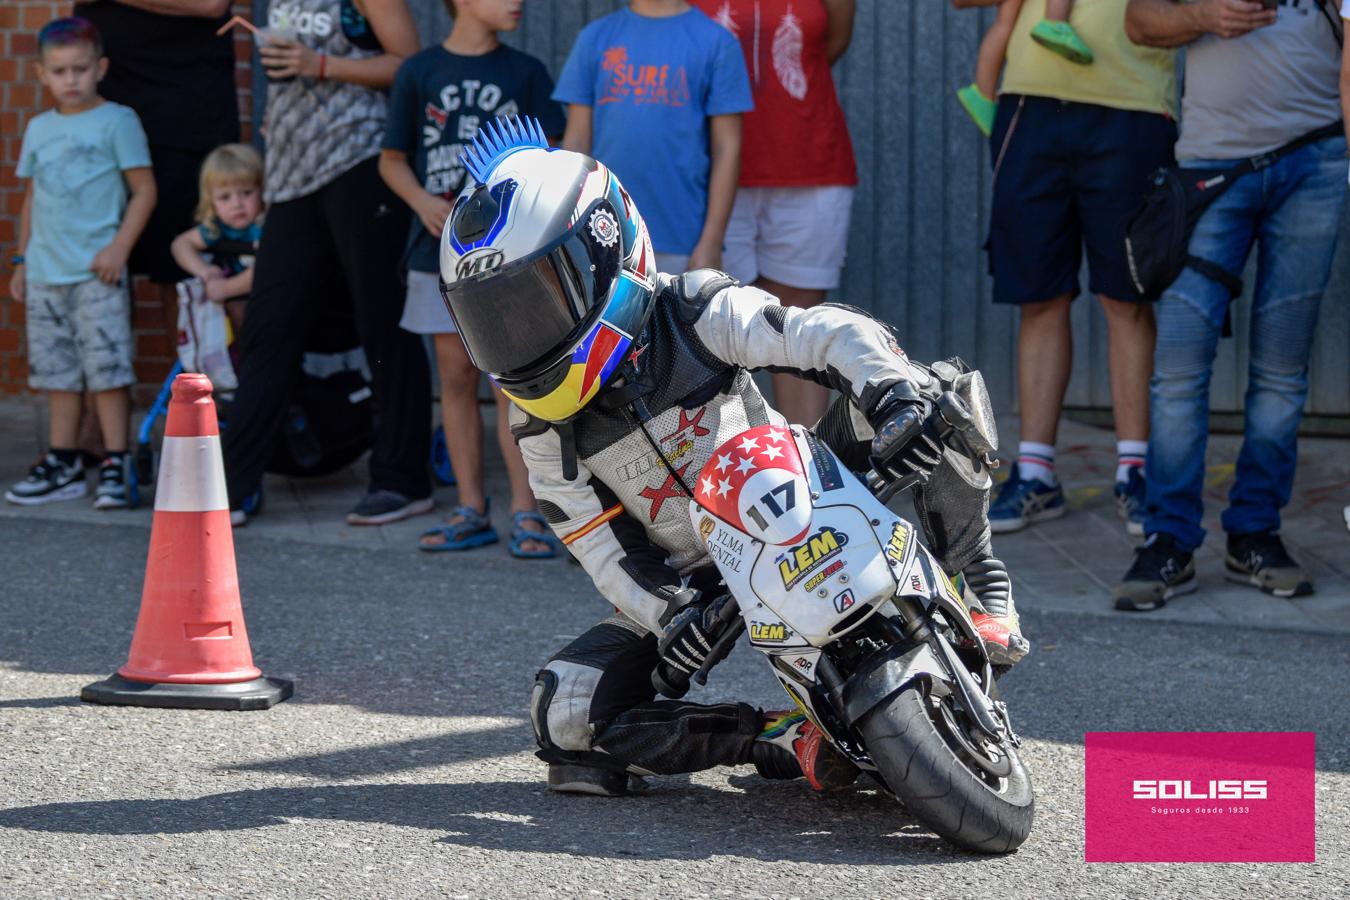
(560,705)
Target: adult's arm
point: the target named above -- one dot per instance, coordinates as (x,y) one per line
(1166,23)
(394,27)
(725,144)
(577,135)
(206,9)
(838,28)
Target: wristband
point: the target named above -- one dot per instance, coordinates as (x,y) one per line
(323,60)
(16,260)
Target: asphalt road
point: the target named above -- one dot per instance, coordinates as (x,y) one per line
(402,767)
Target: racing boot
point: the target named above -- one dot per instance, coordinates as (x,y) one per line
(791,746)
(996,618)
(578,778)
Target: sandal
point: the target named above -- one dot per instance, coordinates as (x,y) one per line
(474,530)
(520,534)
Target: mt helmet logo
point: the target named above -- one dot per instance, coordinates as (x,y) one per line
(478,262)
(604,227)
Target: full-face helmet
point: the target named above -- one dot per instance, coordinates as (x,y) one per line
(546,268)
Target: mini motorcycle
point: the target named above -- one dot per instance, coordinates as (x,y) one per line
(866,633)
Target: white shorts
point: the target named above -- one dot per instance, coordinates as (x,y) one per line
(795,236)
(424,310)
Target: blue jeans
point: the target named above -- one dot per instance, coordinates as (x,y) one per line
(1292,211)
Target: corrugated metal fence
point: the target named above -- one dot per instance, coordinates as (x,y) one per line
(921,212)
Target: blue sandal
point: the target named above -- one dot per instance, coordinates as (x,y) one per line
(474,531)
(520,534)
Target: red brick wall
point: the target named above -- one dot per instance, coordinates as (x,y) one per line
(22,97)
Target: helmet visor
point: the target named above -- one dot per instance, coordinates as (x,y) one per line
(521,316)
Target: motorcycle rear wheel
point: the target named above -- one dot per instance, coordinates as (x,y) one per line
(937,779)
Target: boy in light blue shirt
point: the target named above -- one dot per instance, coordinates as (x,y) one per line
(655,92)
(90,192)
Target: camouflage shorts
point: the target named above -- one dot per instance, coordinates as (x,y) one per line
(79,336)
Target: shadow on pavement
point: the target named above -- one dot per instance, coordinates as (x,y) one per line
(770,821)
(39,703)
(400,756)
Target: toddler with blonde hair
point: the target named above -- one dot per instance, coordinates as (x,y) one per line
(220,248)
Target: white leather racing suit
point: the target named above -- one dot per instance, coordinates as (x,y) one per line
(624,514)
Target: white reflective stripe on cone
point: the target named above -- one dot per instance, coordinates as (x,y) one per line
(191,475)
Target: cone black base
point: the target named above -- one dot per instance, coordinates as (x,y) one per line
(260,693)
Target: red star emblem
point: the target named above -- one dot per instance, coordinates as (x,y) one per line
(687,422)
(667,491)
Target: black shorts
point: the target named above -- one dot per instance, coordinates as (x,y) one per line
(1070,176)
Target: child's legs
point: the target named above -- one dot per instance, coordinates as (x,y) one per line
(460,417)
(1058,10)
(63,413)
(103,324)
(114,417)
(54,363)
(994,47)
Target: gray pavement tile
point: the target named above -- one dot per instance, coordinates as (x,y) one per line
(1248,605)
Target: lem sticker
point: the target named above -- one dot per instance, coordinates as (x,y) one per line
(899,542)
(768,632)
(797,563)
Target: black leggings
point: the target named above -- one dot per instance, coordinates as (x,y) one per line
(340,244)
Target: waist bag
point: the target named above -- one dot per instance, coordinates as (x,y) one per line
(1158,234)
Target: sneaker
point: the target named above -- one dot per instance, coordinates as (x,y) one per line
(1260,560)
(1160,572)
(996,617)
(383,507)
(979,107)
(111,492)
(1059,37)
(1021,503)
(48,481)
(791,746)
(1131,500)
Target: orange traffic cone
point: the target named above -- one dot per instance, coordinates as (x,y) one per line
(190,649)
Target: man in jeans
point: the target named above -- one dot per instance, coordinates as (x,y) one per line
(1256,79)
(1073,147)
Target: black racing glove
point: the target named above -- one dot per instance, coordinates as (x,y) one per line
(687,640)
(908,444)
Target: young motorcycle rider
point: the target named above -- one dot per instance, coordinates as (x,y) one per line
(624,382)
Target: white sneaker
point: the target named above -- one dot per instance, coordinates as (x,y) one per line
(48,481)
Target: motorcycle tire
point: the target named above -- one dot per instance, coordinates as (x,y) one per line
(946,793)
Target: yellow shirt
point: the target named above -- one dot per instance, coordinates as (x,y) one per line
(1124,75)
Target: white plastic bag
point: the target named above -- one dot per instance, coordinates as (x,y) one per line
(204,336)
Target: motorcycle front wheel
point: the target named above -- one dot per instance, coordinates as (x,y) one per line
(972,792)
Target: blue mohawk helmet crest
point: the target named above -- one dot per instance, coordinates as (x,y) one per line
(497,139)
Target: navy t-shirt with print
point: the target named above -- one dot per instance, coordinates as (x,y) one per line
(439,100)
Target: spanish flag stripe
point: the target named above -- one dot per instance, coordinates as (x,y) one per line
(593,524)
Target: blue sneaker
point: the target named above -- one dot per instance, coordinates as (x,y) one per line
(1131,499)
(1021,503)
